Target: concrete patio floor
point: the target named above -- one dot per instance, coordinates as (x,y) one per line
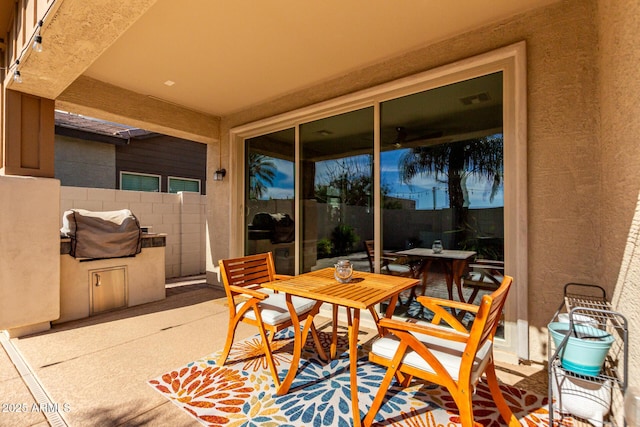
(94,371)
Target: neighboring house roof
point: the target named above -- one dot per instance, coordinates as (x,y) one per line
(78,126)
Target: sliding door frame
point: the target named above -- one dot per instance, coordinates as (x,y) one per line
(511,60)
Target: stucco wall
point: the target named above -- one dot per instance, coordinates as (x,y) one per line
(563,145)
(29,297)
(620,130)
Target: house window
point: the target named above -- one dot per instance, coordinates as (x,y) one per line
(139,181)
(184,184)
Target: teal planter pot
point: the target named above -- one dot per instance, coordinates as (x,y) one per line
(585,350)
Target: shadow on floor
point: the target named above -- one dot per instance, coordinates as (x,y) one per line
(178,294)
(536,382)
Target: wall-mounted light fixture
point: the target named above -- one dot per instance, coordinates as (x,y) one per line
(219,174)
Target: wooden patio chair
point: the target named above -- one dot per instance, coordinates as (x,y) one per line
(252,304)
(451,356)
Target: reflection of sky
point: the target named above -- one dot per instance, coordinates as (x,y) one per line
(283,182)
(421,189)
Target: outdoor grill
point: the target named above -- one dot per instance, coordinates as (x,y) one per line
(107,262)
(276,227)
(98,235)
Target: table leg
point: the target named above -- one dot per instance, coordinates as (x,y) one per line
(334,334)
(458,268)
(299,339)
(426,265)
(390,309)
(354,327)
(448,275)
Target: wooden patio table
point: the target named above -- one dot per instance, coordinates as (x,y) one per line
(363,292)
(453,262)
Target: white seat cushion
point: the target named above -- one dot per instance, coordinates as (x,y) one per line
(485,278)
(449,353)
(274,311)
(398,269)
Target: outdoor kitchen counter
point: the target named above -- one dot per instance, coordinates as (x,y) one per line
(92,286)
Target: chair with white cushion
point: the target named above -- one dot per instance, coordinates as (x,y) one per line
(449,355)
(390,263)
(252,304)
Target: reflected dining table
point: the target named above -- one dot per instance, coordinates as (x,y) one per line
(454,264)
(364,291)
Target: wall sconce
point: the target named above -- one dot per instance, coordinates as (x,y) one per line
(219,174)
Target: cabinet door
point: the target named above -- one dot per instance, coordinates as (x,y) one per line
(108,289)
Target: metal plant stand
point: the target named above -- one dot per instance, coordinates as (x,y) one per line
(590,398)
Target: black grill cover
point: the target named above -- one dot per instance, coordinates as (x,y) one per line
(277,227)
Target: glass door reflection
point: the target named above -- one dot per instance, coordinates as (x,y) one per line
(336,189)
(270,198)
(441,155)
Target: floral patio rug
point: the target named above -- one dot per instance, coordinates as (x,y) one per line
(241,392)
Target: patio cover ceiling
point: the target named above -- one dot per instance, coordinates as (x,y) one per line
(227,56)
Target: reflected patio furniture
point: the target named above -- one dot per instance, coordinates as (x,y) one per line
(389,262)
(395,265)
(484,275)
(454,264)
(249,302)
(448,355)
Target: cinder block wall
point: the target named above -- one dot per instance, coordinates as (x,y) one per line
(180,216)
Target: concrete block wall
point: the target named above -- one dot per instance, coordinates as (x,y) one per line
(180,216)
(193,233)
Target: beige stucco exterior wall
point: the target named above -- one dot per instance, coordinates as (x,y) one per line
(619,99)
(29,296)
(563,144)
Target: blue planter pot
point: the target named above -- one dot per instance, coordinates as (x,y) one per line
(585,350)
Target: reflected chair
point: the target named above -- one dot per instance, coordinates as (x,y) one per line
(449,355)
(389,264)
(396,266)
(261,307)
(484,275)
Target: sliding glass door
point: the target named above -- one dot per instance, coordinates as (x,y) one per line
(441,157)
(270,197)
(440,178)
(336,171)
(436,156)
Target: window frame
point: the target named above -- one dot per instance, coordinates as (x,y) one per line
(181,178)
(159,177)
